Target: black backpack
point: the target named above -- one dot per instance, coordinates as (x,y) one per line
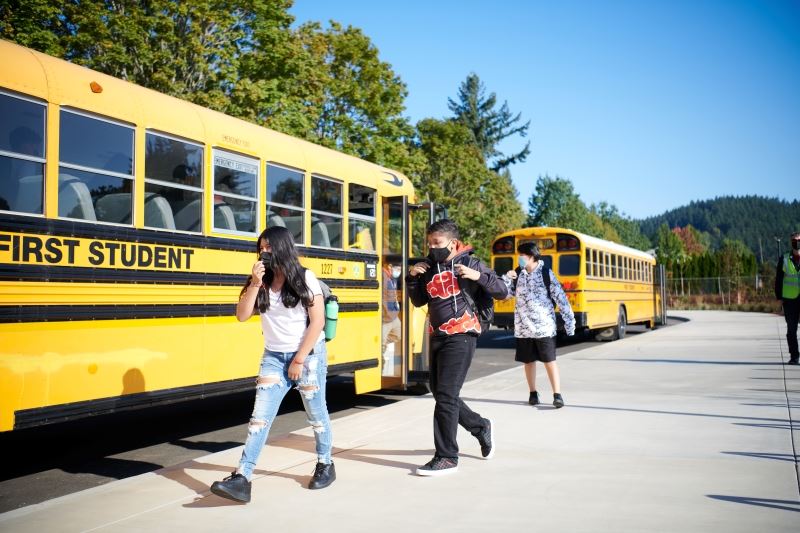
(481,303)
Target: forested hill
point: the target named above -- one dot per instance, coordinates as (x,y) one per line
(745,218)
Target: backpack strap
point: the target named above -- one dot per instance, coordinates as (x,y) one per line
(546,279)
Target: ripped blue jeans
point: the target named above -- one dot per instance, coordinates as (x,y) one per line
(271,386)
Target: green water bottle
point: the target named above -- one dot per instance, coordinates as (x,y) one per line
(331,317)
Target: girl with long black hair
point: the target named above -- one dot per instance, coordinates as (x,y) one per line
(289,300)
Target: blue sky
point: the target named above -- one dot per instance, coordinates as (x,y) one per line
(647,105)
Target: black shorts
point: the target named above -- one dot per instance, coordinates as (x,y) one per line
(531,350)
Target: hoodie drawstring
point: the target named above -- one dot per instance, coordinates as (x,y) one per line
(441,281)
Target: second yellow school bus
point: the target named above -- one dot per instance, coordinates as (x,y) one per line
(608,285)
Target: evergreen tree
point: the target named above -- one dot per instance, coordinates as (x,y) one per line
(482,202)
(754,220)
(489,126)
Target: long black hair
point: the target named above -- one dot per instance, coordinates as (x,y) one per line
(284,258)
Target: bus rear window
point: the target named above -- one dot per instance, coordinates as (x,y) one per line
(569,265)
(503,265)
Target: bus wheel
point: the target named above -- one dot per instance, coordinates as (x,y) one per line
(622,325)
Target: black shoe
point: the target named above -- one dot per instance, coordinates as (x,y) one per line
(438,466)
(234,487)
(486,440)
(794,362)
(324,475)
(533,398)
(558,401)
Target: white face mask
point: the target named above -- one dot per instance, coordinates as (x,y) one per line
(396,272)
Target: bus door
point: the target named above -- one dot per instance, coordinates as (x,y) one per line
(394,308)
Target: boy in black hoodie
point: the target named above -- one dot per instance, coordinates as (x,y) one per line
(454,330)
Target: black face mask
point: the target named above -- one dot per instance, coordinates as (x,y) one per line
(438,255)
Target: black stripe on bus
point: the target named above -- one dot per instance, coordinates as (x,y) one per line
(22,272)
(68,228)
(28,418)
(17,272)
(69,313)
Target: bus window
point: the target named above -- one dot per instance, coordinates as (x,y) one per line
(326,213)
(286,200)
(606,265)
(588,262)
(503,264)
(173,172)
(22,134)
(235,193)
(569,265)
(95,175)
(361,221)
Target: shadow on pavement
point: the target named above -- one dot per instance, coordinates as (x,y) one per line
(786,505)
(788,457)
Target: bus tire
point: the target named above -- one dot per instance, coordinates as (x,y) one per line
(622,325)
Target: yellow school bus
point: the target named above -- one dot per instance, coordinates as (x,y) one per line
(608,285)
(128,222)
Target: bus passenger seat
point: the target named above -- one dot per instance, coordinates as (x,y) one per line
(276,220)
(188,218)
(319,234)
(223,217)
(74,199)
(158,213)
(115,208)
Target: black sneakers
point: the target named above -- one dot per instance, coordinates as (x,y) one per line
(486,440)
(533,398)
(438,466)
(558,401)
(234,487)
(794,362)
(324,475)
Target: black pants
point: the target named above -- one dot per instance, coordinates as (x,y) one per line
(450,360)
(791,312)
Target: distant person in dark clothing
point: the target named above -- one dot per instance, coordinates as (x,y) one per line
(440,283)
(787,289)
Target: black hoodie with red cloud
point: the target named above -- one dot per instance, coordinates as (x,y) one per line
(442,290)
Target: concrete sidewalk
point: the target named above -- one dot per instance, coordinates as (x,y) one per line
(681,429)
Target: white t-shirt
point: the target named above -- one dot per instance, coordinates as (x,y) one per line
(284,327)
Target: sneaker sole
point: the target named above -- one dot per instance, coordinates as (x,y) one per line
(491,452)
(436,473)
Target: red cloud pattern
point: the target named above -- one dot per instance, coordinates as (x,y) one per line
(443,285)
(461,325)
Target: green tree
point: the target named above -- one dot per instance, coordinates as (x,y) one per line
(482,203)
(489,126)
(669,248)
(619,227)
(355,101)
(554,202)
(192,50)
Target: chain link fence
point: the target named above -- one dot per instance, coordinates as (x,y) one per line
(743,293)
